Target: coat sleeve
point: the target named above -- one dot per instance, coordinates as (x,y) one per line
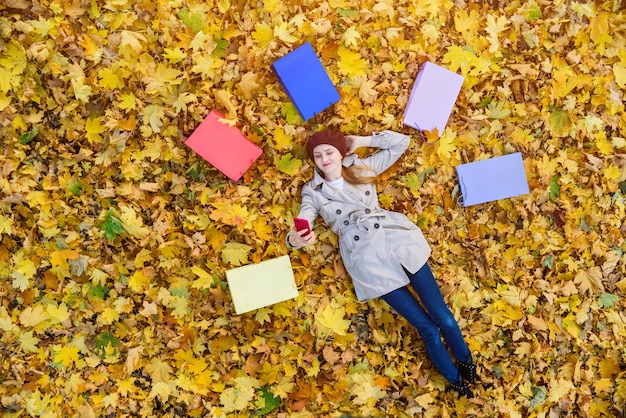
(392,145)
(308,209)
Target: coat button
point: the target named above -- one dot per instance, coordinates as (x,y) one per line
(376,226)
(367,193)
(346,222)
(338,211)
(367,211)
(356,238)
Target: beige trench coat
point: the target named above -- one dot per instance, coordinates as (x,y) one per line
(374,243)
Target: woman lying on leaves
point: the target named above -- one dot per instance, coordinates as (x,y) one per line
(383,251)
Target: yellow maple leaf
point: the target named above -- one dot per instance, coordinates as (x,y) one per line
(149,309)
(131,43)
(351,37)
(75,383)
(249,84)
(600,31)
(430,136)
(495,25)
(282,139)
(108,316)
(385,8)
(465,23)
(202,41)
(351,63)
(142,257)
(133,359)
(162,390)
(537,323)
(36,405)
(152,119)
(618,142)
(57,314)
(158,79)
(215,237)
(126,386)
(458,58)
(547,166)
(365,389)
(283,32)
(109,79)
(127,101)
(67,355)
(229,122)
(204,65)
(28,342)
(12,64)
(5,225)
(132,223)
(559,389)
(204,280)
(98,276)
(180,307)
(224,97)
(263,230)
(33,316)
(367,93)
(425,400)
(235,253)
(197,365)
(570,325)
(609,367)
(183,99)
(82,91)
(59,258)
(238,397)
(159,370)
(588,280)
(174,55)
(604,385)
(231,214)
(331,318)
(131,171)
(612,172)
(20,281)
(138,282)
(510,294)
(90,46)
(447,145)
(6,323)
(263,35)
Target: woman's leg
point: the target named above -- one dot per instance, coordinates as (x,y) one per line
(403,302)
(429,293)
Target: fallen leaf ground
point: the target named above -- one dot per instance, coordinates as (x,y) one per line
(115,237)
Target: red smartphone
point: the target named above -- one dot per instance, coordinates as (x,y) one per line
(302,224)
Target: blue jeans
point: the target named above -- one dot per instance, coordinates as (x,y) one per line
(433,323)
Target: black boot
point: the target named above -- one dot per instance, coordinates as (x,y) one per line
(468,372)
(462,389)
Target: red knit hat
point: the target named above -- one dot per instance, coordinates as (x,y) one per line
(329,137)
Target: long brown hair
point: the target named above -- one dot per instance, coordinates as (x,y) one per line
(358,174)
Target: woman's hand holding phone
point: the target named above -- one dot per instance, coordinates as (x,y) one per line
(303,235)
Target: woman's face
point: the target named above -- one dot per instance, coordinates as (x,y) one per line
(328,159)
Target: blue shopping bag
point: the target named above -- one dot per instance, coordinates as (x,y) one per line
(492,179)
